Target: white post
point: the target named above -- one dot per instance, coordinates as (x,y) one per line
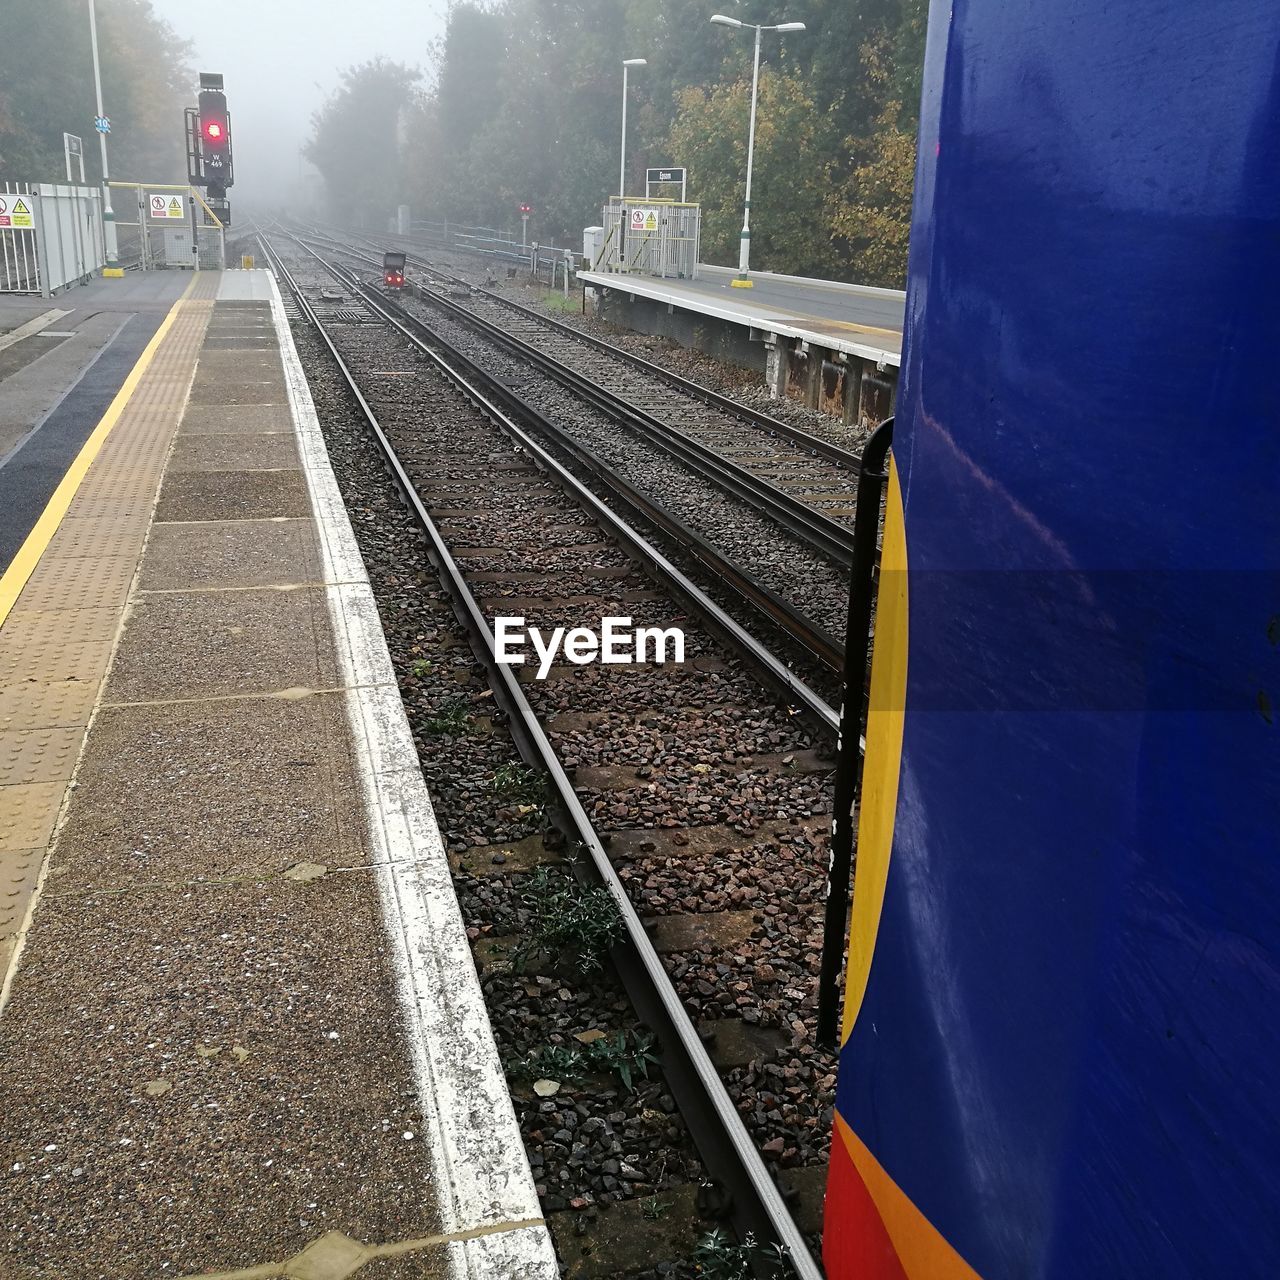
(622,160)
(744,249)
(627,63)
(108,217)
(622,163)
(742,280)
(144,233)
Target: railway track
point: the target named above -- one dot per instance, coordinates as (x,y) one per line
(807,440)
(806,483)
(787,584)
(628,757)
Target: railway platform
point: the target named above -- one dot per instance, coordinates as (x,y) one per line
(241,1033)
(835,346)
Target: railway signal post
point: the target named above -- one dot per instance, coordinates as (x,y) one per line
(209,153)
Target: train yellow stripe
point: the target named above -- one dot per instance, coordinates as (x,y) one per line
(884,753)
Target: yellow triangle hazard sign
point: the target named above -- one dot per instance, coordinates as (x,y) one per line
(19,207)
(650,223)
(175,206)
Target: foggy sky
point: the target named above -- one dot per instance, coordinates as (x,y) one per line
(282,58)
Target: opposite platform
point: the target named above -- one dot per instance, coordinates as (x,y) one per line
(855,319)
(242,1028)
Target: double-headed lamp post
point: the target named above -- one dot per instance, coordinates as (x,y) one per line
(622,164)
(743,280)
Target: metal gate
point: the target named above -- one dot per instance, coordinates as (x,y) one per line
(166,225)
(50,236)
(653,237)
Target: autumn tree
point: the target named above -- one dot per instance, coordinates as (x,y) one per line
(359,135)
(46,89)
(524,104)
(873,176)
(788,192)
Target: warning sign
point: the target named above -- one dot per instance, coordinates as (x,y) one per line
(15,211)
(162,206)
(644,220)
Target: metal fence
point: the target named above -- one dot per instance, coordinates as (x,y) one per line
(19,257)
(651,237)
(50,236)
(445,232)
(491,242)
(163,225)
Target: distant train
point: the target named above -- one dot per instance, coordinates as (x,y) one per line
(1061,1053)
(393,270)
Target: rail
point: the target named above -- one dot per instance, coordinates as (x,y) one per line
(830,537)
(779,612)
(755,1202)
(757,417)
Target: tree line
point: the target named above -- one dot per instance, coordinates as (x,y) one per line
(520,101)
(46,89)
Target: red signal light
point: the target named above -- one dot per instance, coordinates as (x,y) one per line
(213,131)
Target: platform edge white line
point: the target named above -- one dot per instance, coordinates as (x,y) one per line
(477,1152)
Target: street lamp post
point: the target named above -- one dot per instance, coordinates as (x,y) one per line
(622,163)
(110,243)
(743,280)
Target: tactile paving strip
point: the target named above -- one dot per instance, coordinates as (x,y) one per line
(19,871)
(37,755)
(28,626)
(84,582)
(28,814)
(97,536)
(55,657)
(46,706)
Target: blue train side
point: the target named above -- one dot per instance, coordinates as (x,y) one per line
(1062,1030)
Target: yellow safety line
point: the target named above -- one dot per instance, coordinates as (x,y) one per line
(37,541)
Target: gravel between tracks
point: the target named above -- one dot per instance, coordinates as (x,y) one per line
(769,553)
(746,385)
(687,752)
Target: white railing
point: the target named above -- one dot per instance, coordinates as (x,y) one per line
(19,258)
(50,236)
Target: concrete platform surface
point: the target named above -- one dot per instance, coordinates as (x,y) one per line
(240,1026)
(62,362)
(856,319)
